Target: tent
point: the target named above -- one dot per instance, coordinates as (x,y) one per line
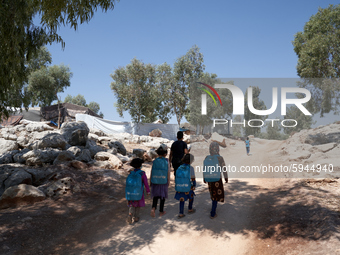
(67,112)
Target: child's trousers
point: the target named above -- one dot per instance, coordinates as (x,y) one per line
(134,211)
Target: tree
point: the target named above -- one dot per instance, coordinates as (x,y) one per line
(78,100)
(303,121)
(45,83)
(194,111)
(21,39)
(248,115)
(237,129)
(135,89)
(318,51)
(164,79)
(81,101)
(187,70)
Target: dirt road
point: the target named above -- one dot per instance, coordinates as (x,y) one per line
(260,216)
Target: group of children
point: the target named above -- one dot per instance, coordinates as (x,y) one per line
(185,184)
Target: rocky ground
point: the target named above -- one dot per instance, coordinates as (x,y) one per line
(86,213)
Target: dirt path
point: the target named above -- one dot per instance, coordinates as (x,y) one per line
(260,216)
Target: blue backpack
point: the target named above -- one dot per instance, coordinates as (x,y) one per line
(134,186)
(183,183)
(159,171)
(210,171)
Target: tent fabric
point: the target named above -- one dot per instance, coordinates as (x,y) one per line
(67,111)
(33,114)
(169,131)
(11,121)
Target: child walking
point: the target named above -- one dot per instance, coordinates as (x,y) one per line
(134,190)
(216,188)
(185,185)
(160,180)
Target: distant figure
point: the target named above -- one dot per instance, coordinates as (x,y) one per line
(185,184)
(177,151)
(247,142)
(160,180)
(214,180)
(134,190)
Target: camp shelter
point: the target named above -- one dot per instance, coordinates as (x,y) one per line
(67,112)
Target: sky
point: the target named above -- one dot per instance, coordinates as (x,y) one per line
(241,39)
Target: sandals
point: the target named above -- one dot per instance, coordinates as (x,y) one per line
(180,216)
(213,217)
(152,213)
(192,211)
(129,219)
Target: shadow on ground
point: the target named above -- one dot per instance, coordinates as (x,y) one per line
(295,210)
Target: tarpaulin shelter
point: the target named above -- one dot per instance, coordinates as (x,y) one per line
(67,112)
(169,131)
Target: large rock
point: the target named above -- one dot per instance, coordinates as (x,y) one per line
(53,140)
(93,147)
(18,157)
(57,188)
(64,157)
(119,146)
(37,127)
(97,132)
(40,175)
(102,164)
(7,157)
(38,157)
(75,133)
(22,141)
(115,162)
(155,133)
(152,153)
(18,177)
(84,156)
(74,150)
(20,194)
(122,158)
(102,155)
(321,138)
(7,145)
(139,152)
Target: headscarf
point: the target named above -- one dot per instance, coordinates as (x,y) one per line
(214,149)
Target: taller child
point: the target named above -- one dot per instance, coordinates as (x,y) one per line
(178,149)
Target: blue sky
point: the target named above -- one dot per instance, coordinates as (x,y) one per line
(248,39)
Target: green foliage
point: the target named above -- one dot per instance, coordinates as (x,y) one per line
(187,70)
(135,89)
(194,115)
(81,101)
(78,100)
(273,131)
(303,121)
(237,129)
(45,83)
(21,39)
(318,51)
(149,92)
(248,115)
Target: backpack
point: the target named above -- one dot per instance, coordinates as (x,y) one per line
(159,171)
(134,187)
(211,171)
(183,183)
